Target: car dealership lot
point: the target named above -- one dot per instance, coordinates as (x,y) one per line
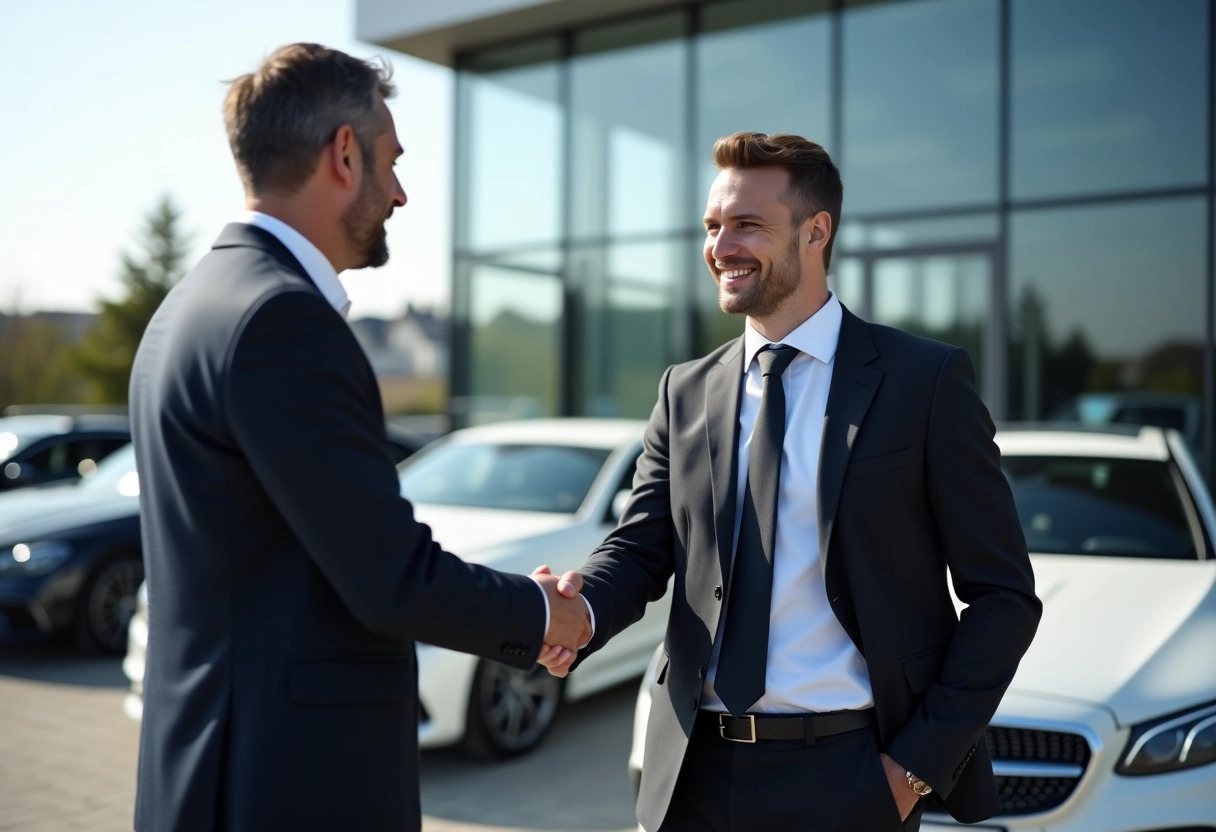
(67,759)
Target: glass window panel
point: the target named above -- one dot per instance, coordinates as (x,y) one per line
(945,297)
(1107,95)
(628,102)
(511,151)
(515,344)
(761,65)
(631,323)
(920,104)
(847,280)
(939,231)
(1107,303)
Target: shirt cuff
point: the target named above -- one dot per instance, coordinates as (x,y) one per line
(545,596)
(591,613)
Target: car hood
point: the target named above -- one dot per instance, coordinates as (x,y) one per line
(40,513)
(476,533)
(1131,635)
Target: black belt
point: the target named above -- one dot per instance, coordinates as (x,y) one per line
(752,727)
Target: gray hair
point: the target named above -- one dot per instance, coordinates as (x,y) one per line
(280,117)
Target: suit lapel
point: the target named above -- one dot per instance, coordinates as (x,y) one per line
(849,397)
(723,391)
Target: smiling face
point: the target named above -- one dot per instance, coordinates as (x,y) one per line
(751,245)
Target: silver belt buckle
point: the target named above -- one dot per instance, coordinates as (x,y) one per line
(751,722)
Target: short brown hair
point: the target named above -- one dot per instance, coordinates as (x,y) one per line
(814,180)
(280,117)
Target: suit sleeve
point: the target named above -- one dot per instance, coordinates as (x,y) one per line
(982,540)
(303,416)
(634,563)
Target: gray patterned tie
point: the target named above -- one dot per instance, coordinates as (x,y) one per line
(744,658)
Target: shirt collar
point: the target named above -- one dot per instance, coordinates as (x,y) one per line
(817,336)
(314,262)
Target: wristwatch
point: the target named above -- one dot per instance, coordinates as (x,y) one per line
(917,785)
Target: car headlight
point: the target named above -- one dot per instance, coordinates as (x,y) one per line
(35,558)
(1171,743)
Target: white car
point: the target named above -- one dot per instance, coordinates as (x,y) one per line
(513,496)
(1110,723)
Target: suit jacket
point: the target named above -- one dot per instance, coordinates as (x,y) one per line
(909,485)
(287,577)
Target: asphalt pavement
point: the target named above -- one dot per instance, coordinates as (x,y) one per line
(68,755)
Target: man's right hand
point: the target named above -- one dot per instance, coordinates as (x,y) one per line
(569,620)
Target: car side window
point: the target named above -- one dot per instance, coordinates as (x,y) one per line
(63,460)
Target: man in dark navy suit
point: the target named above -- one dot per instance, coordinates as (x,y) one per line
(287,577)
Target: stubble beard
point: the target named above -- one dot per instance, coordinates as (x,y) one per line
(767,290)
(364,222)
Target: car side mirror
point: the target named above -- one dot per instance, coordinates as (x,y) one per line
(619,502)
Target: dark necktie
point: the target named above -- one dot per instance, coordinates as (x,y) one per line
(744,657)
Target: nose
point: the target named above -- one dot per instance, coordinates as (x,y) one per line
(722,246)
(399,197)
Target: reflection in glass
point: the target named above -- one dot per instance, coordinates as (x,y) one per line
(762,65)
(1108,95)
(944,297)
(628,93)
(511,155)
(920,104)
(936,231)
(515,335)
(1104,300)
(630,331)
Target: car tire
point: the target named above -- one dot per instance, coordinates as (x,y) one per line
(107,602)
(510,711)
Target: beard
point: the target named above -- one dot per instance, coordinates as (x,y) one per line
(768,288)
(364,222)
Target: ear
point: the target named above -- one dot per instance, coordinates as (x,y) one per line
(342,157)
(817,230)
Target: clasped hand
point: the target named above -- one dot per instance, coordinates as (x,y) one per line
(569,620)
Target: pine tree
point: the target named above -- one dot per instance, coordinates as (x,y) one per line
(105,357)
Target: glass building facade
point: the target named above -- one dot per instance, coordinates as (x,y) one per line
(1029,179)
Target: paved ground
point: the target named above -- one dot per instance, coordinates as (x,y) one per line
(67,759)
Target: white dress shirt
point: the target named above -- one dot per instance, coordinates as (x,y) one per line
(813,665)
(314,262)
(326,278)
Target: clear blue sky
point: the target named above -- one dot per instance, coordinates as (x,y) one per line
(105,106)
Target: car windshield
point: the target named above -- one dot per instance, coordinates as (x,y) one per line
(16,432)
(521,477)
(116,474)
(1100,506)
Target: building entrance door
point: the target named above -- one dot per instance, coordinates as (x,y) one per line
(945,293)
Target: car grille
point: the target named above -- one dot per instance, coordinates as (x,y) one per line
(1036,770)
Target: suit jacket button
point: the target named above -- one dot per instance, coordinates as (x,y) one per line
(700,673)
(694,705)
(718,592)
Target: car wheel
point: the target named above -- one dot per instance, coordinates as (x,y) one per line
(510,710)
(107,603)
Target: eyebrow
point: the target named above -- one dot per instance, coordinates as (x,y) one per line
(735,218)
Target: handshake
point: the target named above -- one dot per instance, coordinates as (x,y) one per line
(570,624)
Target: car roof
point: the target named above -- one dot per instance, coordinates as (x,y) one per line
(52,423)
(1118,441)
(590,433)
